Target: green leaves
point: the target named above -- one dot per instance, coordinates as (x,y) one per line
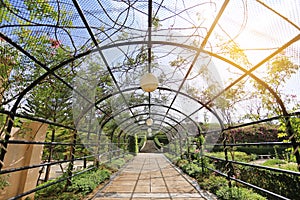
(81,185)
(284,184)
(5,15)
(237,193)
(40,9)
(87,182)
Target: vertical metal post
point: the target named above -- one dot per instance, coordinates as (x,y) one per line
(47,174)
(291,134)
(175,147)
(125,145)
(110,148)
(180,147)
(72,157)
(226,158)
(201,153)
(3,148)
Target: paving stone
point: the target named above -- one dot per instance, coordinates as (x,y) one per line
(148,177)
(143,182)
(118,189)
(159,190)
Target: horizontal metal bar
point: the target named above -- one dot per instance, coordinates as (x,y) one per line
(38,120)
(41,165)
(51,183)
(53,143)
(248,184)
(257,166)
(253,123)
(55,182)
(256,144)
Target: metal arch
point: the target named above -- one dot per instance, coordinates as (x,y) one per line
(123,121)
(169,43)
(170,90)
(134,128)
(39,79)
(142,125)
(158,105)
(157,120)
(54,69)
(167,132)
(156,42)
(247,72)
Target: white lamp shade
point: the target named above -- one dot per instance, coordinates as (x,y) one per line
(149,82)
(149,121)
(149,130)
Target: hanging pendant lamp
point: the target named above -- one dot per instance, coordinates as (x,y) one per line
(149,121)
(149,82)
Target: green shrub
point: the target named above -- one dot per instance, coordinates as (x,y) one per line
(81,186)
(227,193)
(162,138)
(52,191)
(192,169)
(128,157)
(181,162)
(272,162)
(213,183)
(116,164)
(3,181)
(133,144)
(283,184)
(87,182)
(173,158)
(141,141)
(255,133)
(157,143)
(264,150)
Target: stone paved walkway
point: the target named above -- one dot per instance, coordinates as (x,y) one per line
(149,176)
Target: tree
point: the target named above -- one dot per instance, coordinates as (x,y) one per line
(278,71)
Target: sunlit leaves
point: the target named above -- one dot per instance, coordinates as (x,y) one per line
(5,15)
(40,9)
(278,71)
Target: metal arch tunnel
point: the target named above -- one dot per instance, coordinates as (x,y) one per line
(170,124)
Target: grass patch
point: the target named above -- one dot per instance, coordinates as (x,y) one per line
(281,164)
(273,162)
(237,156)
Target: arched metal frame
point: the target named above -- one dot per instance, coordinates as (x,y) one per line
(147,41)
(147,113)
(246,72)
(52,72)
(142,114)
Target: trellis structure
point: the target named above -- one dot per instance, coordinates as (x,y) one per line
(76,65)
